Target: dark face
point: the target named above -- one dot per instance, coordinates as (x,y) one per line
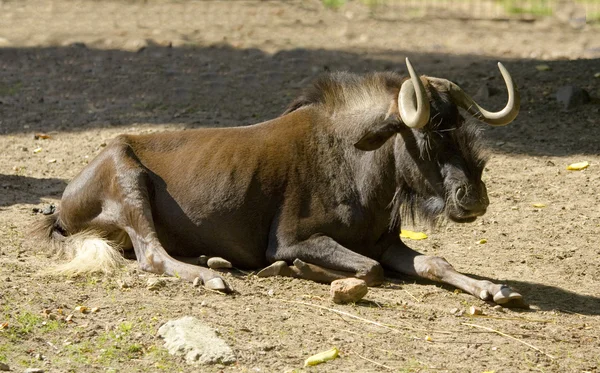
(442,164)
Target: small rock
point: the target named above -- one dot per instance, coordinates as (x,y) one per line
(202,260)
(155,283)
(348,290)
(474,310)
(217,263)
(454,311)
(498,308)
(196,282)
(4,367)
(34,370)
(49,210)
(572,96)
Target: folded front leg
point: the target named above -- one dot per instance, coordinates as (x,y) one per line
(322,259)
(401,258)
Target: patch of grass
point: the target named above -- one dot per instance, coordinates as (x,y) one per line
(10,90)
(333,4)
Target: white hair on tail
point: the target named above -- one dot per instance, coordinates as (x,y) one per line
(89,253)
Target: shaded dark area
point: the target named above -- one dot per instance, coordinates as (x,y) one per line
(544,297)
(16,189)
(76,88)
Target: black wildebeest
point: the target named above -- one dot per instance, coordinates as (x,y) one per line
(318,193)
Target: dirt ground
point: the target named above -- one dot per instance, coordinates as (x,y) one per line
(84,71)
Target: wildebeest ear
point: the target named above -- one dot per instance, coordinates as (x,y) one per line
(377,136)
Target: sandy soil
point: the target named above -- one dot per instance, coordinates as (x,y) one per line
(85,71)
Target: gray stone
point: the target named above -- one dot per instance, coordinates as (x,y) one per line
(34,370)
(348,290)
(572,96)
(218,263)
(196,341)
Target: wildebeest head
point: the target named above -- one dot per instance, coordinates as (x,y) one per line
(439,159)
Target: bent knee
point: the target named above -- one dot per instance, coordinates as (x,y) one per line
(373,275)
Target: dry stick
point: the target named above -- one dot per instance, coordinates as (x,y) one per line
(415,298)
(372,361)
(509,336)
(347,314)
(363,319)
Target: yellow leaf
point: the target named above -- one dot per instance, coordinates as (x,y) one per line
(539,205)
(481,241)
(322,357)
(543,67)
(578,166)
(428,338)
(412,235)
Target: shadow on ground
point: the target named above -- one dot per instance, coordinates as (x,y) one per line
(76,88)
(544,297)
(15,189)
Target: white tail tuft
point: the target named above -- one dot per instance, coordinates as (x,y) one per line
(89,253)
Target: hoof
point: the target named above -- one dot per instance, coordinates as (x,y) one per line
(507,297)
(279,268)
(217,284)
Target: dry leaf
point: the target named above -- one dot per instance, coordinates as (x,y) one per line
(481,241)
(539,205)
(42,136)
(82,309)
(543,67)
(412,235)
(578,166)
(428,338)
(322,357)
(37,150)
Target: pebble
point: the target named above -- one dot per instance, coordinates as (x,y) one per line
(49,210)
(348,290)
(474,310)
(196,282)
(217,263)
(498,308)
(155,283)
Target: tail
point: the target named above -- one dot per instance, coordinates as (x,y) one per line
(89,251)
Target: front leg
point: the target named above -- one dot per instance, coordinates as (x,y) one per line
(401,258)
(320,258)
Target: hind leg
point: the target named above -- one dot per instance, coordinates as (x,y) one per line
(111,195)
(139,225)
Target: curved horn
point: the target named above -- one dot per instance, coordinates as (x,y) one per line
(499,118)
(413,114)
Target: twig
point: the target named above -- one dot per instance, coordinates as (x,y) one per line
(509,336)
(372,361)
(386,326)
(413,297)
(348,314)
